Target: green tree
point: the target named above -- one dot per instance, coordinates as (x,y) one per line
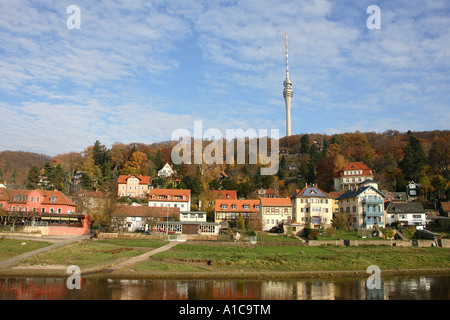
(241,223)
(414,159)
(214,184)
(305,145)
(59,177)
(340,221)
(33,177)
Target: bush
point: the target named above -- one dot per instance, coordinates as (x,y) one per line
(409,232)
(310,234)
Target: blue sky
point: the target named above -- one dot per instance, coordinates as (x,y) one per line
(138,70)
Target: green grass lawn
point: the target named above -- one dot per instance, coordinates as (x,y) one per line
(13,247)
(275,258)
(135,242)
(263,237)
(340,235)
(85,253)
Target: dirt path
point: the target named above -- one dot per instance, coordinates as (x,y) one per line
(17,259)
(132,261)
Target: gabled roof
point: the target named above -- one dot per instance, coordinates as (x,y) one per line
(173,193)
(405,207)
(239,205)
(145,211)
(142,179)
(309,192)
(352,193)
(445,206)
(335,194)
(354,166)
(59,197)
(276,202)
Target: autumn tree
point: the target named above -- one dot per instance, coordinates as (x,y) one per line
(136,164)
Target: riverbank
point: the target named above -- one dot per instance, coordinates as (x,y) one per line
(101,272)
(153,260)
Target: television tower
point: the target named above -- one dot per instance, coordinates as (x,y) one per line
(287,93)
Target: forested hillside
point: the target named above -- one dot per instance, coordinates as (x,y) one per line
(395,158)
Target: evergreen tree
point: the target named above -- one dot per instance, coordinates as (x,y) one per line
(59,178)
(33,177)
(414,159)
(304,148)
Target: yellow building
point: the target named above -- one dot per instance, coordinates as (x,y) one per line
(274,211)
(313,207)
(133,186)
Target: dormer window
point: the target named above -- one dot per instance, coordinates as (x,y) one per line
(16,197)
(52,199)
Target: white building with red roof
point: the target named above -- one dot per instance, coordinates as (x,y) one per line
(274,211)
(229,210)
(172,198)
(351,175)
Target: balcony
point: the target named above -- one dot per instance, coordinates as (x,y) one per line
(372,201)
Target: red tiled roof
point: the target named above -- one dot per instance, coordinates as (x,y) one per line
(173,193)
(276,202)
(445,206)
(239,205)
(60,198)
(354,166)
(145,211)
(142,179)
(335,194)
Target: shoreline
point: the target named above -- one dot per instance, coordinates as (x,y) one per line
(217,275)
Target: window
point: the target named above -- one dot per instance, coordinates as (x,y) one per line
(246,206)
(38,199)
(59,210)
(354,209)
(31,199)
(412,192)
(225,206)
(233,206)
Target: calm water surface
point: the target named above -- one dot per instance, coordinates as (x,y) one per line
(398,288)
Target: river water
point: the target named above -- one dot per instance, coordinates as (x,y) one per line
(395,288)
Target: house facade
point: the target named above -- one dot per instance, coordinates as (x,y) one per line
(274,211)
(407,214)
(132,218)
(34,201)
(364,206)
(133,186)
(351,175)
(312,207)
(172,198)
(412,190)
(167,171)
(46,212)
(229,210)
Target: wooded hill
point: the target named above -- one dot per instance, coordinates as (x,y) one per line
(395,158)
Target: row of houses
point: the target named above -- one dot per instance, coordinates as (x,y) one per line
(357,196)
